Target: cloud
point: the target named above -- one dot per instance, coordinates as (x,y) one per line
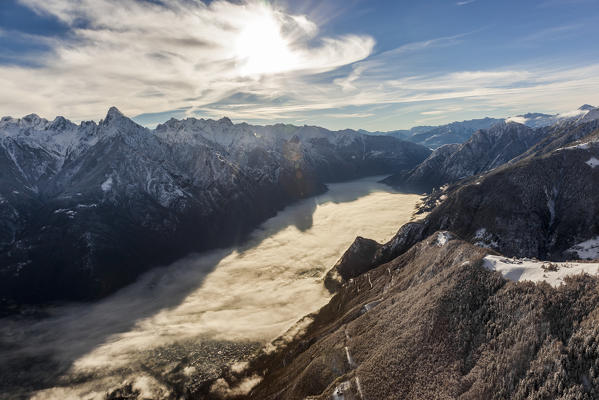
(186,58)
(156,56)
(245,295)
(425,44)
(465,2)
(553,32)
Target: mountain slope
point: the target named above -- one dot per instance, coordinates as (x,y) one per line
(87,208)
(542,206)
(437,136)
(434,323)
(424,315)
(485,150)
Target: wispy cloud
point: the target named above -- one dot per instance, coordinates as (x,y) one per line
(465,2)
(156,56)
(188,58)
(553,32)
(443,41)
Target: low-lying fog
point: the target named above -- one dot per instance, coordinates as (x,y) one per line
(203,311)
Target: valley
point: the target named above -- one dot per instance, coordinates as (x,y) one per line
(177,327)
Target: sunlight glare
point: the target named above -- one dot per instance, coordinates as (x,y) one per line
(261,47)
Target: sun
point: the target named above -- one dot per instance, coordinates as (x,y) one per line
(260,47)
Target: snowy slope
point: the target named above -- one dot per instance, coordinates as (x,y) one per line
(86,208)
(584,113)
(526,269)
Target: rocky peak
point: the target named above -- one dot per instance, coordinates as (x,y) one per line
(586,107)
(33,121)
(225,121)
(117,122)
(60,123)
(591,115)
(113,114)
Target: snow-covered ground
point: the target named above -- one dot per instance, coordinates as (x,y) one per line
(526,269)
(589,249)
(593,162)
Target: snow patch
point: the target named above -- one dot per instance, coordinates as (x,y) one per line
(517,119)
(338,393)
(581,146)
(587,250)
(593,162)
(551,196)
(519,270)
(370,306)
(93,205)
(350,360)
(484,239)
(443,238)
(70,213)
(107,184)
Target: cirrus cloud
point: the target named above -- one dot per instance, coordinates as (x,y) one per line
(157,56)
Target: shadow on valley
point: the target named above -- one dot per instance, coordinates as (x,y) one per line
(35,354)
(39,353)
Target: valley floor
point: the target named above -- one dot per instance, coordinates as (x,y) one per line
(176,328)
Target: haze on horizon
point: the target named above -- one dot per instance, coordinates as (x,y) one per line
(373,65)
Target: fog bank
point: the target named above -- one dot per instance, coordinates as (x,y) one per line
(207,309)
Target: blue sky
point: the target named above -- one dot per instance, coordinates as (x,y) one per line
(377,65)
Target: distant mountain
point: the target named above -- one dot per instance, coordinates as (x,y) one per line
(538,120)
(459,132)
(488,149)
(86,208)
(436,136)
(485,150)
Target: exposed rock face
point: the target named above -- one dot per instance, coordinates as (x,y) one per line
(430,174)
(504,142)
(86,208)
(433,323)
(455,132)
(543,205)
(354,262)
(485,150)
(437,136)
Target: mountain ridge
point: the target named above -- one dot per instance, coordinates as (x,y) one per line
(89,207)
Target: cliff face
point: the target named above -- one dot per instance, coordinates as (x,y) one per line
(483,151)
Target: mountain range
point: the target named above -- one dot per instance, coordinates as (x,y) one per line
(485,295)
(86,208)
(459,132)
(480,296)
(489,148)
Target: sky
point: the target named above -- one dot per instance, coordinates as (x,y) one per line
(361,64)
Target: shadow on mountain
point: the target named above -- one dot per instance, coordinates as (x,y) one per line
(39,354)
(35,355)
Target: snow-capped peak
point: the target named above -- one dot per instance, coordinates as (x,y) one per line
(225,121)
(113,114)
(586,107)
(584,113)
